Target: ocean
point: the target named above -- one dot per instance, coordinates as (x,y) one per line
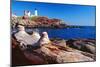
(67,33)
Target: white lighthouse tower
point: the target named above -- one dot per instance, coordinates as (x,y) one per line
(36,12)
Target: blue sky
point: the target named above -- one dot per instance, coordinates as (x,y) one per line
(69,13)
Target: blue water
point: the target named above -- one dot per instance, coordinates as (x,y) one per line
(69,33)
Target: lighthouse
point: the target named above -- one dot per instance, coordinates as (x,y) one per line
(36,12)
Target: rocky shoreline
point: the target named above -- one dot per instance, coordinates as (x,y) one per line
(61,51)
(40,22)
(37,48)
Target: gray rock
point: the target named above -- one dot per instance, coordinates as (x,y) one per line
(91,48)
(25,39)
(82,45)
(62,56)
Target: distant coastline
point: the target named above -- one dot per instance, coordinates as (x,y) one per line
(54,27)
(69,26)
